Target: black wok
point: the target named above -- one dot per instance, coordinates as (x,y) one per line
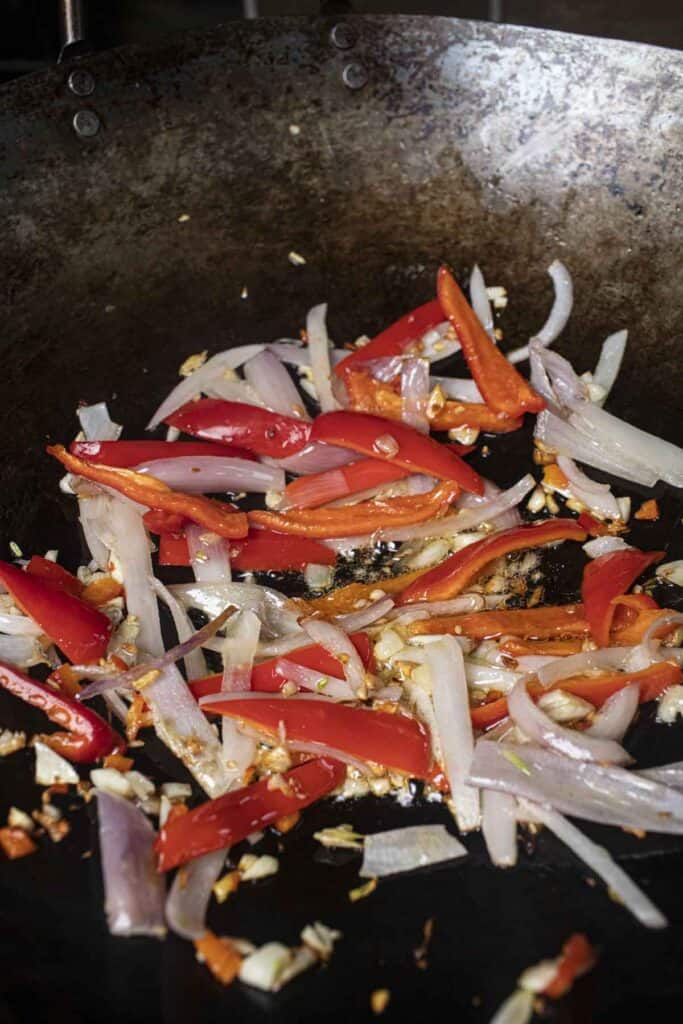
(419,140)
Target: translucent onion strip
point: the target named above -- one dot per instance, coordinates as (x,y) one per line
(268,377)
(559,313)
(319,348)
(499,827)
(190,894)
(609,363)
(212,474)
(208,555)
(415,393)
(195,662)
(337,643)
(616,714)
(479,300)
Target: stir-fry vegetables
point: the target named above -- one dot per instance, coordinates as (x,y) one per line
(376,617)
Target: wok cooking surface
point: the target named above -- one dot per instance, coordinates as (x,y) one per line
(467,142)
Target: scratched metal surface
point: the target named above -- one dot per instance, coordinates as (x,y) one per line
(467,142)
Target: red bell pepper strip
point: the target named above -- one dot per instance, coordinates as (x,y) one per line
(606,578)
(265,551)
(55,574)
(503,388)
(87,738)
(164,522)
(394,740)
(592,526)
(247,426)
(451,576)
(147,490)
(79,630)
(220,823)
(595,689)
(548,623)
(173,549)
(128,454)
(395,443)
(395,339)
(266,679)
(368,395)
(577,958)
(364,517)
(320,488)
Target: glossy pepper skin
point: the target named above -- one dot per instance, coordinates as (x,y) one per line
(87,737)
(395,339)
(128,454)
(265,677)
(79,630)
(55,574)
(607,578)
(220,823)
(261,551)
(451,576)
(246,426)
(503,388)
(393,740)
(320,488)
(147,490)
(395,443)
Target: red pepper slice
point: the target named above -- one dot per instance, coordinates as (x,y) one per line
(54,574)
(247,426)
(266,679)
(364,517)
(88,736)
(394,740)
(577,957)
(373,436)
(163,522)
(265,551)
(147,490)
(320,488)
(592,526)
(79,630)
(173,549)
(220,823)
(452,575)
(596,689)
(128,454)
(504,389)
(396,338)
(607,578)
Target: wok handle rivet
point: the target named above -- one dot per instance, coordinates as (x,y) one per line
(343,36)
(354,75)
(81,82)
(86,123)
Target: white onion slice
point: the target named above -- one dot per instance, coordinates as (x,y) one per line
(499,827)
(239,650)
(455,606)
(539,727)
(133,888)
(210,474)
(454,726)
(190,894)
(189,387)
(317,682)
(668,774)
(608,658)
(354,621)
(19,625)
(97,424)
(605,545)
(597,497)
(649,650)
(319,348)
(609,363)
(504,520)
(582,789)
(93,513)
(435,343)
(22,651)
(482,676)
(405,849)
(279,617)
(337,643)
(415,393)
(587,447)
(616,714)
(195,662)
(605,867)
(268,377)
(479,300)
(314,458)
(518,1008)
(559,313)
(208,555)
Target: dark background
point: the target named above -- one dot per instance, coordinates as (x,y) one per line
(29,30)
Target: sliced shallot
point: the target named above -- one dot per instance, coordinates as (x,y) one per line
(190,894)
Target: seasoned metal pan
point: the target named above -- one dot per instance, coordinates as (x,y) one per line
(136,205)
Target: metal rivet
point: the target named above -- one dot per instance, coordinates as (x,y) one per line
(343,36)
(81,82)
(86,123)
(354,76)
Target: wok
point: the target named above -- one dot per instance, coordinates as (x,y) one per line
(419,140)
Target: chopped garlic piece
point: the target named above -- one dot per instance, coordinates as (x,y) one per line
(264,967)
(296,259)
(672,572)
(17,818)
(361,891)
(142,787)
(111,781)
(10,742)
(538,977)
(273,499)
(341,837)
(463,435)
(193,363)
(379,1000)
(670,705)
(320,938)
(259,867)
(176,790)
(389,643)
(562,706)
(51,768)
